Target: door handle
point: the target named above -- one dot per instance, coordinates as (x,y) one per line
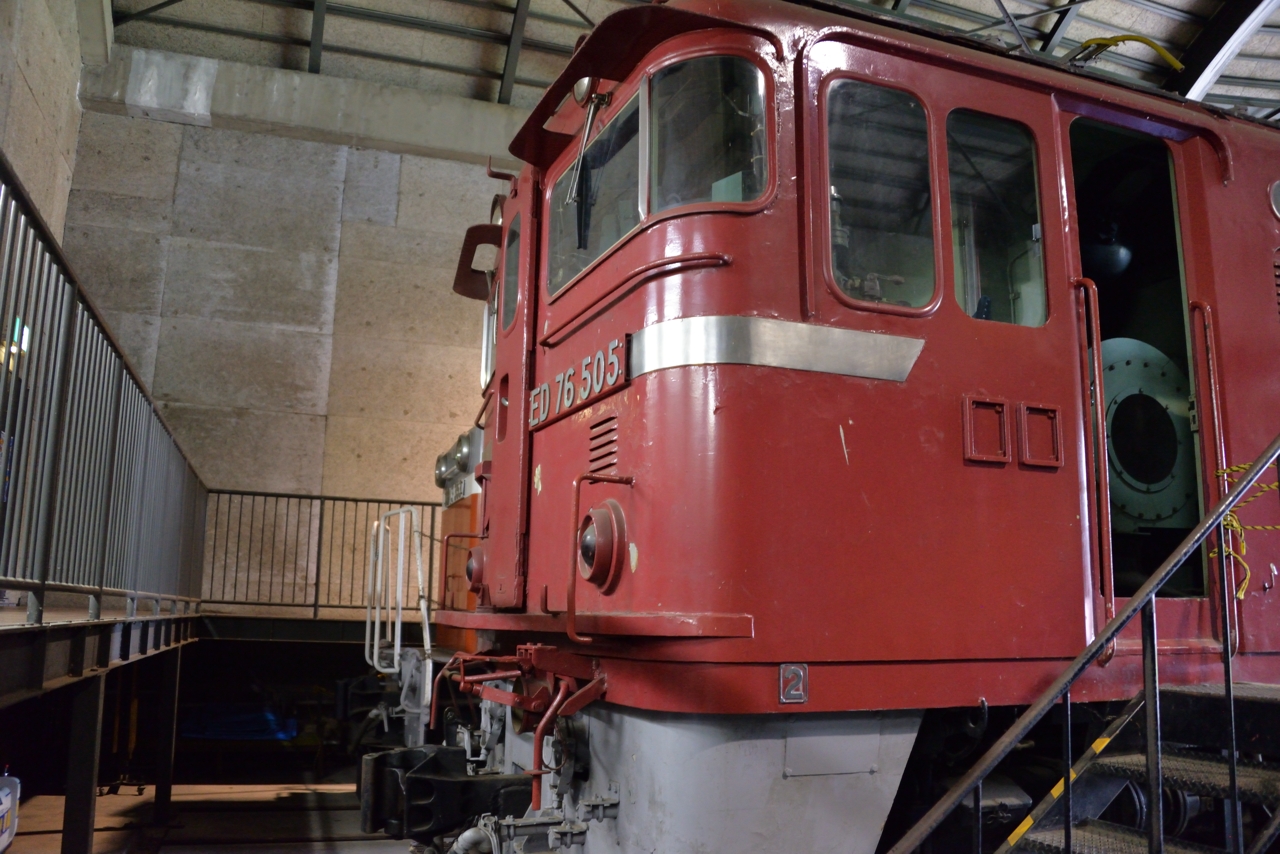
(1215,403)
(1209,353)
(1091,374)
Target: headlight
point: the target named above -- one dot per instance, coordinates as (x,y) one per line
(475,568)
(442,470)
(602,545)
(462,452)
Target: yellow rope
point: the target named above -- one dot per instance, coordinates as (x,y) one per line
(1263,489)
(1231,522)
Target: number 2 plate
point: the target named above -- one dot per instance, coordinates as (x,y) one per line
(793,683)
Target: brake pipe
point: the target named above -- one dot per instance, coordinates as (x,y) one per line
(539,734)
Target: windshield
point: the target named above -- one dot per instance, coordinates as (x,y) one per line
(707,143)
(708,133)
(605,207)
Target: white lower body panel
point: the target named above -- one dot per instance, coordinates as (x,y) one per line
(706,784)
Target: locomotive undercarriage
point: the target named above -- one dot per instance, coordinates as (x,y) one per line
(616,780)
(625,781)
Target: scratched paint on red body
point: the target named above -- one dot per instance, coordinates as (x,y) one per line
(838,514)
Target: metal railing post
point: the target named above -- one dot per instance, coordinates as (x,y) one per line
(47,492)
(1151,701)
(1068,814)
(1232,812)
(114,430)
(315,610)
(977,818)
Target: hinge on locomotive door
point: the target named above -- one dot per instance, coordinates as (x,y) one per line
(1193,414)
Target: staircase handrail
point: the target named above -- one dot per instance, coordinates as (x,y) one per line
(1037,710)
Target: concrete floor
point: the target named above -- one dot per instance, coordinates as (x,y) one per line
(268,819)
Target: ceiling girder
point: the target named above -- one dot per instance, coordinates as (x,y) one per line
(317,36)
(118,20)
(293,41)
(508,84)
(1058,30)
(1221,39)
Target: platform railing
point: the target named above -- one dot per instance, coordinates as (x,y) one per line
(1142,601)
(301,556)
(96,498)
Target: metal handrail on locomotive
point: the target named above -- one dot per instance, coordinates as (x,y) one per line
(838,382)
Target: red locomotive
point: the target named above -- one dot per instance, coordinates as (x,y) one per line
(793,430)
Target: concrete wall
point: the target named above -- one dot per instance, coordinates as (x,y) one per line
(39,113)
(289,302)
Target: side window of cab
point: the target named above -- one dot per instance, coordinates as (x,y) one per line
(995,219)
(882,254)
(881,201)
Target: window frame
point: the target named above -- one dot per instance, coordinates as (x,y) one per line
(621,97)
(936,190)
(686,47)
(1038,164)
(504,331)
(490,332)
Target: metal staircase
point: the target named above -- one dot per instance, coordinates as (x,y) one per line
(1192,747)
(1196,775)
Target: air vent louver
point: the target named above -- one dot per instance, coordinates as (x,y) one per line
(603,446)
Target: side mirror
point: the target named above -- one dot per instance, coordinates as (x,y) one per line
(468,281)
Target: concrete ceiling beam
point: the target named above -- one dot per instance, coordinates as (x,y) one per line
(97,33)
(214,93)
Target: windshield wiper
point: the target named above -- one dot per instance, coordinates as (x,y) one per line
(578,187)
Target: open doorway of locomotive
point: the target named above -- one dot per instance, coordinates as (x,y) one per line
(1130,246)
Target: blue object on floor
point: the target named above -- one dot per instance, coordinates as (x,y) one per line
(237,722)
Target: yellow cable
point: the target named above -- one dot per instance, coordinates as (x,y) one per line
(1115,40)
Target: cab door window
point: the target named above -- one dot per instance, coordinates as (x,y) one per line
(880,199)
(995,219)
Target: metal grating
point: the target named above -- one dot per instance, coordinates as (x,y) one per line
(1097,837)
(1206,776)
(602,446)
